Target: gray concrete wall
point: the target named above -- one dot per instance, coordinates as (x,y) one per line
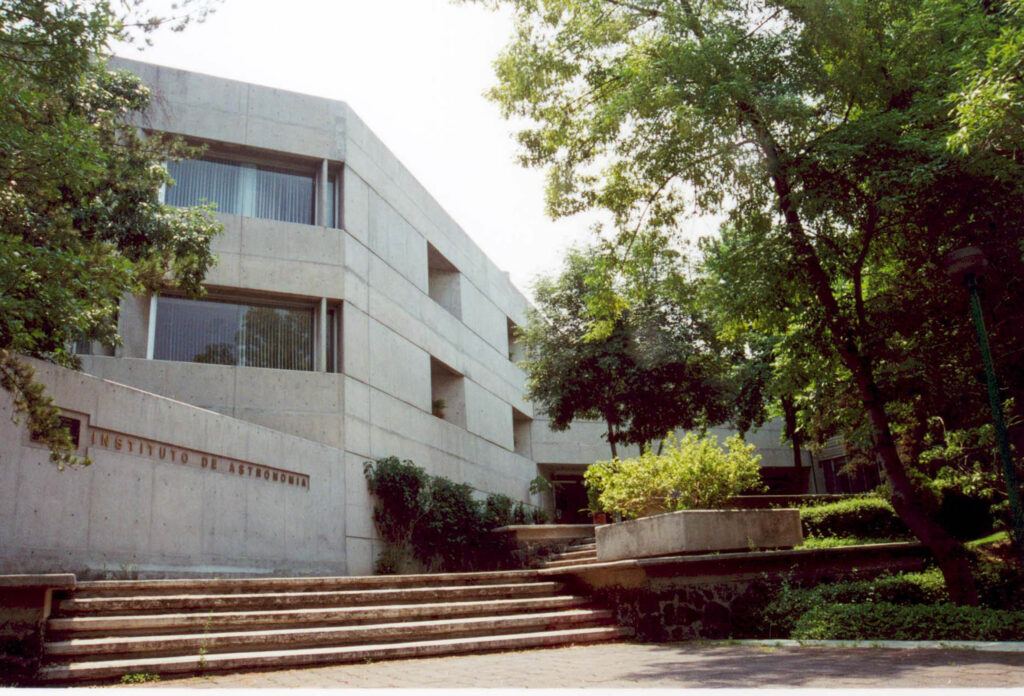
(142,508)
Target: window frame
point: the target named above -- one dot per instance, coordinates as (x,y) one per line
(256,299)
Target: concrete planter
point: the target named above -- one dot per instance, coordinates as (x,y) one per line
(699,531)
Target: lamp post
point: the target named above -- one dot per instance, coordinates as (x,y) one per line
(967,265)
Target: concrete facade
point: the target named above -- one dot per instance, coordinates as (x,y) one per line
(422,316)
(173,489)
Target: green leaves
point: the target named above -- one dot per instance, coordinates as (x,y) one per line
(624,341)
(81,222)
(691,474)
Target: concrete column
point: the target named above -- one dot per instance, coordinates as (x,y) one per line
(321,198)
(321,353)
(151,338)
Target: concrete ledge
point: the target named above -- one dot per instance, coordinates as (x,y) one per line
(42,580)
(548,533)
(816,564)
(691,531)
(25,602)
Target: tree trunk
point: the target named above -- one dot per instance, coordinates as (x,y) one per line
(611,439)
(949,554)
(789,413)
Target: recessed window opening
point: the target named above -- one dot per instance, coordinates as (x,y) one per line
(522,443)
(447,393)
(223,332)
(515,346)
(443,281)
(333,328)
(243,188)
(333,193)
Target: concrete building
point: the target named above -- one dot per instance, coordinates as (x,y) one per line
(349,318)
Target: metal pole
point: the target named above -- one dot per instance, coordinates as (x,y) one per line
(1002,437)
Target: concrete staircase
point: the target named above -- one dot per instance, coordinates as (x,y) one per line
(103,630)
(583,552)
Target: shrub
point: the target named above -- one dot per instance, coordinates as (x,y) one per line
(885,621)
(432,523)
(691,473)
(782,613)
(855,517)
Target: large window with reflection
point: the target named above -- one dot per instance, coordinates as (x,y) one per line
(234,333)
(250,189)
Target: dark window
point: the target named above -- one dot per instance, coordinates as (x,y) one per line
(74,427)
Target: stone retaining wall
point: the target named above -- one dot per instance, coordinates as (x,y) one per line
(718,596)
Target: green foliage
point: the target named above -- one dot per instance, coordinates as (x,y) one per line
(430,522)
(626,343)
(884,621)
(81,223)
(813,542)
(691,473)
(539,485)
(139,678)
(853,517)
(990,103)
(781,614)
(821,130)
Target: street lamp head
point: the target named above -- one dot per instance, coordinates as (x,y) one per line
(965,262)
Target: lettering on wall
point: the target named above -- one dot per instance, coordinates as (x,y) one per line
(183,456)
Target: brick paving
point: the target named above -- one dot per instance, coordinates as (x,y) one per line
(634,665)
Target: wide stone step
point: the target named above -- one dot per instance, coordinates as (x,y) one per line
(206,586)
(329,635)
(153,624)
(568,555)
(227,602)
(202,663)
(565,563)
(592,546)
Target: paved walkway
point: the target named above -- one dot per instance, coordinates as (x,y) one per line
(675,665)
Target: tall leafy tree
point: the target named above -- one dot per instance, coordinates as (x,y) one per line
(650,365)
(81,224)
(822,128)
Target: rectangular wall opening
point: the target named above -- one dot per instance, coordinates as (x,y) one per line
(515,346)
(447,393)
(522,442)
(443,282)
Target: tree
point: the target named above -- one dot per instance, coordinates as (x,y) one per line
(649,367)
(822,128)
(990,101)
(81,224)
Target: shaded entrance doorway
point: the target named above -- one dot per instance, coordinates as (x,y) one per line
(570,498)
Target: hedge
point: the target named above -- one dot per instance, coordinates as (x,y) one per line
(854,517)
(781,614)
(885,621)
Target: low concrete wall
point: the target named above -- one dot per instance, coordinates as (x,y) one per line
(174,490)
(718,596)
(25,602)
(691,531)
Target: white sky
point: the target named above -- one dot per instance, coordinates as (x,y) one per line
(415,71)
